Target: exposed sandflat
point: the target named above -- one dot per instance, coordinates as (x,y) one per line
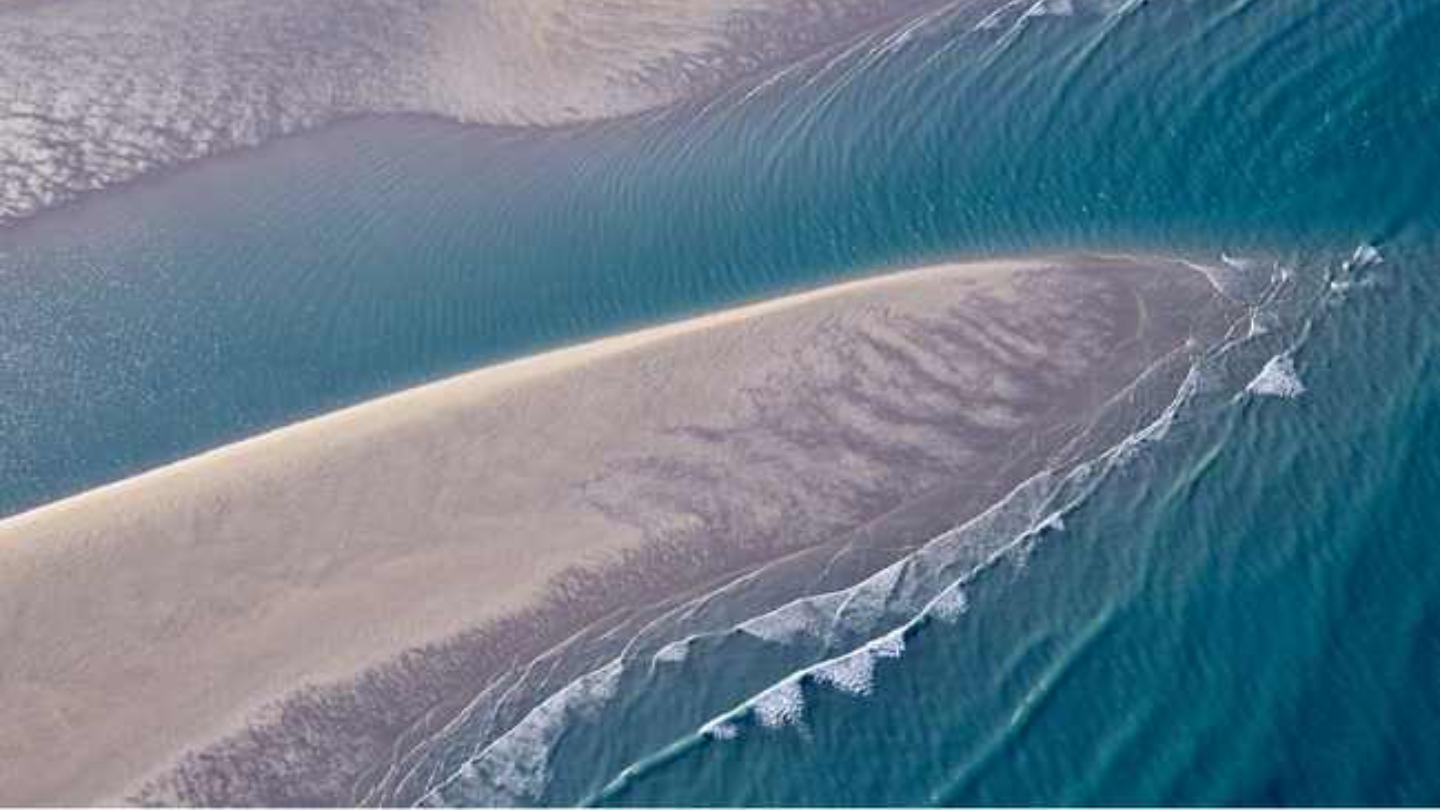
(147,618)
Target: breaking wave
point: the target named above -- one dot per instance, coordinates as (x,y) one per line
(1277,379)
(838,640)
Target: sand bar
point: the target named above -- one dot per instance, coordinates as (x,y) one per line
(153,617)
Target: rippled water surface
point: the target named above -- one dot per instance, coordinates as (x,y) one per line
(1233,599)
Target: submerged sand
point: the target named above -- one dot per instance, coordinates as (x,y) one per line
(180,611)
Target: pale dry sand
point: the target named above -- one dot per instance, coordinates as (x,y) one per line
(153,617)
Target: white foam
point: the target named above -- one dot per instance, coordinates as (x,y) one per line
(514,769)
(854,673)
(937,572)
(1130,447)
(802,619)
(996,18)
(1355,272)
(1051,8)
(1262,322)
(674,652)
(720,729)
(1241,264)
(1278,378)
(878,595)
(1009,527)
(950,605)
(781,705)
(1054,522)
(1342,287)
(1238,277)
(1005,528)
(1366,255)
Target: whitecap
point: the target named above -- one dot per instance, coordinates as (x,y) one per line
(720,729)
(869,602)
(893,602)
(1054,522)
(802,619)
(1366,255)
(1241,264)
(781,705)
(1355,272)
(1051,8)
(514,769)
(854,673)
(1007,530)
(950,605)
(1279,378)
(674,652)
(1262,322)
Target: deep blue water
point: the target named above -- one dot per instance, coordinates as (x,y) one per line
(1247,612)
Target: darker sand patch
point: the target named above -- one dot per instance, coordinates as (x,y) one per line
(401,559)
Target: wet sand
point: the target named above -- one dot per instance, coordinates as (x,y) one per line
(262,623)
(204,84)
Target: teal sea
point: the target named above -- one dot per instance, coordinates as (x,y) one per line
(1234,601)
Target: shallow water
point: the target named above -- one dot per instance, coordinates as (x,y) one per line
(1239,604)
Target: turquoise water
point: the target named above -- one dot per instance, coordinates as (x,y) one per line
(1247,615)
(1241,608)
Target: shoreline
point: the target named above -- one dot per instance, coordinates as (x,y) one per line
(515,371)
(631,102)
(515,496)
